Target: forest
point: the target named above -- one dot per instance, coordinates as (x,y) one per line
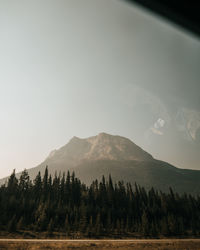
(64,204)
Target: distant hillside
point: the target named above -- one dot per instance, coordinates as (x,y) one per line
(106,154)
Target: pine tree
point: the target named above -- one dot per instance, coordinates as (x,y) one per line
(83,218)
(164,227)
(145,224)
(109,223)
(24,181)
(67,205)
(12,183)
(98,225)
(20,224)
(45,182)
(50,227)
(172,224)
(12,225)
(90,228)
(67,225)
(37,184)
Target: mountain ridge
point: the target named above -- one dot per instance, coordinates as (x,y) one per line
(105,154)
(104,146)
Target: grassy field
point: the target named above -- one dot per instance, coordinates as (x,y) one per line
(102,244)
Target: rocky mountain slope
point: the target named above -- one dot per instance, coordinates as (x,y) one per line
(106,154)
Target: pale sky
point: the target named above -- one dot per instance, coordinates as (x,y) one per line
(77,68)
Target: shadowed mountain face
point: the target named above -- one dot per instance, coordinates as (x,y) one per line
(106,154)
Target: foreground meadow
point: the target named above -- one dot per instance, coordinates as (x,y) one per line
(189,244)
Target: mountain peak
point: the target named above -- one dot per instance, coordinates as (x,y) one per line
(74,139)
(103,134)
(114,147)
(100,147)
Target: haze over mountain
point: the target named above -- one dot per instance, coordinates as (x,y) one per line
(106,154)
(67,67)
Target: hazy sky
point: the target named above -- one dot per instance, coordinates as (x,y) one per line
(70,67)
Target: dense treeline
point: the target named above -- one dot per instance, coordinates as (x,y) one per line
(64,204)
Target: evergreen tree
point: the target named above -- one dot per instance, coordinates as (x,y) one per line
(50,227)
(12,183)
(67,225)
(12,225)
(145,224)
(64,204)
(24,181)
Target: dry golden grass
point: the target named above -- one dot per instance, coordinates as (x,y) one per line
(139,245)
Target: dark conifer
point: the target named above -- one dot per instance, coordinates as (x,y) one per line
(64,204)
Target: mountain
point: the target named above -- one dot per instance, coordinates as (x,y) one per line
(106,154)
(102,146)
